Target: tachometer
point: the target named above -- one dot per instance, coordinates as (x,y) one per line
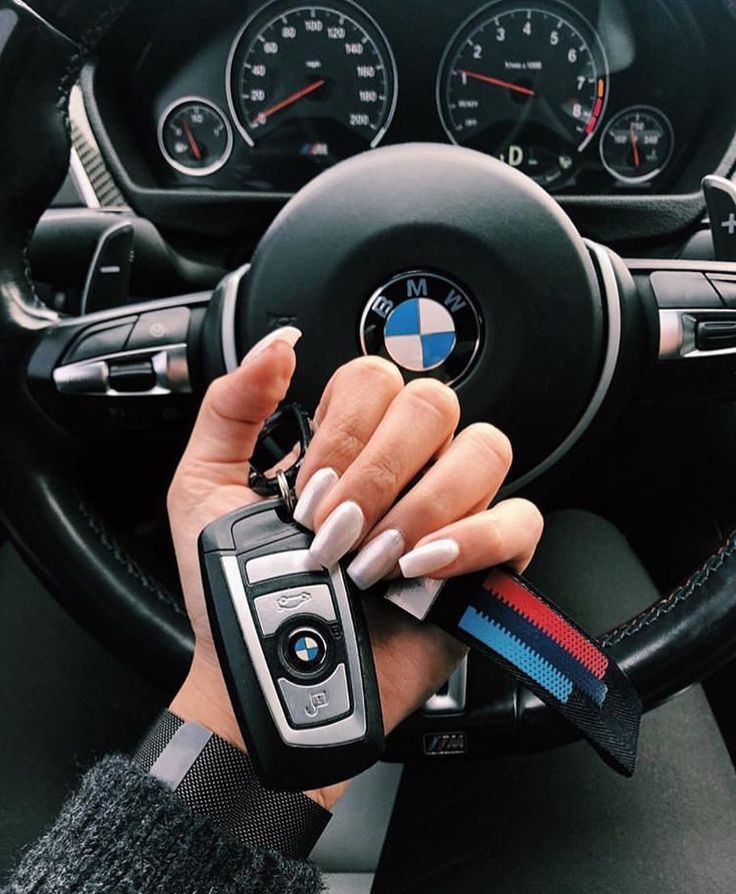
(527,83)
(312,81)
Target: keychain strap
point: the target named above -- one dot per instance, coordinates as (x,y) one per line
(289,430)
(501,615)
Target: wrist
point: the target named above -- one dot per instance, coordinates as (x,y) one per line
(203,699)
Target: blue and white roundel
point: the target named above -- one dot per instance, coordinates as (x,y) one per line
(425,323)
(307,649)
(420,334)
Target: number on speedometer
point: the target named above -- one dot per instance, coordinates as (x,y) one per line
(312,81)
(525,83)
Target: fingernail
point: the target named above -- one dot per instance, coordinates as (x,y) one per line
(423,560)
(318,486)
(376,559)
(340,530)
(289,334)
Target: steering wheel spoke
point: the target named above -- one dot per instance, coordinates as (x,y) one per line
(134,368)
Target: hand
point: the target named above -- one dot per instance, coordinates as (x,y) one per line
(374,436)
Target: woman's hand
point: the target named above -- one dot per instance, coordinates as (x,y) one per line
(384,476)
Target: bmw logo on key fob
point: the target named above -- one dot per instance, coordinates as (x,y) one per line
(294,650)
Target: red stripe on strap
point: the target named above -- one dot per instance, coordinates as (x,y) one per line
(527,604)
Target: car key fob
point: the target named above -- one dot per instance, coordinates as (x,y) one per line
(294,650)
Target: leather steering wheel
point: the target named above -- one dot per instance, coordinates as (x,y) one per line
(560,323)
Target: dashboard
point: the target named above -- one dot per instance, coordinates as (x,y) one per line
(588,97)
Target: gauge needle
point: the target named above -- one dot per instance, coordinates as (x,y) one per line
(635,146)
(193,144)
(497,82)
(263,116)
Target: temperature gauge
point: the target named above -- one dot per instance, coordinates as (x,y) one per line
(195,137)
(637,145)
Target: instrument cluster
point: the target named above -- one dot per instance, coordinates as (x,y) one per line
(585,96)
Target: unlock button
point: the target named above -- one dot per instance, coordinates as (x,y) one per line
(316,704)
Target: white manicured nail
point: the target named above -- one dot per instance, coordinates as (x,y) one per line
(376,559)
(423,560)
(338,533)
(315,490)
(289,334)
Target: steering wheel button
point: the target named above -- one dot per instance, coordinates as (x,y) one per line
(725,285)
(317,703)
(275,608)
(132,378)
(100,341)
(716,335)
(160,327)
(684,290)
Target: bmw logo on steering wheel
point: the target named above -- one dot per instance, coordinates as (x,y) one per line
(425,323)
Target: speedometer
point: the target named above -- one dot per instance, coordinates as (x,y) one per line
(527,83)
(312,81)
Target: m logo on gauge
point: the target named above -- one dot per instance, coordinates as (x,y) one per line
(425,323)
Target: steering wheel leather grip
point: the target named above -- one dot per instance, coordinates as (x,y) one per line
(676,642)
(59,534)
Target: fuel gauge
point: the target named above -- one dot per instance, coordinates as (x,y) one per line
(638,144)
(195,137)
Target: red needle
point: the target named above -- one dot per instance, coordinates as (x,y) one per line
(193,144)
(635,146)
(290,100)
(497,82)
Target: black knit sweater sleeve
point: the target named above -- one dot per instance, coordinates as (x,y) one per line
(123,832)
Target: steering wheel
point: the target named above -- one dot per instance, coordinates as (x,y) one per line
(445,260)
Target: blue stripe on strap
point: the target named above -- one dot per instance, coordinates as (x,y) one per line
(517,653)
(544,645)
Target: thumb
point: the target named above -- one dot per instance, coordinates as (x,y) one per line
(236,405)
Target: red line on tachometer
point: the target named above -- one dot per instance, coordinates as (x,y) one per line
(497,82)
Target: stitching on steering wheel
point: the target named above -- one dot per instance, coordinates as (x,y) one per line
(111,544)
(677,597)
(85,45)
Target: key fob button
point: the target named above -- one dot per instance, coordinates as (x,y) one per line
(298,561)
(305,650)
(276,608)
(318,703)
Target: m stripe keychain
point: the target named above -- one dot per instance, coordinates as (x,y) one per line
(501,615)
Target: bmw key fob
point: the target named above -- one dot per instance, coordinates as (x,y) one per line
(294,649)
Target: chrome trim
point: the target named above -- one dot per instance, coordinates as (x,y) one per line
(454,701)
(678,328)
(230,284)
(178,166)
(169,363)
(612,299)
(340,731)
